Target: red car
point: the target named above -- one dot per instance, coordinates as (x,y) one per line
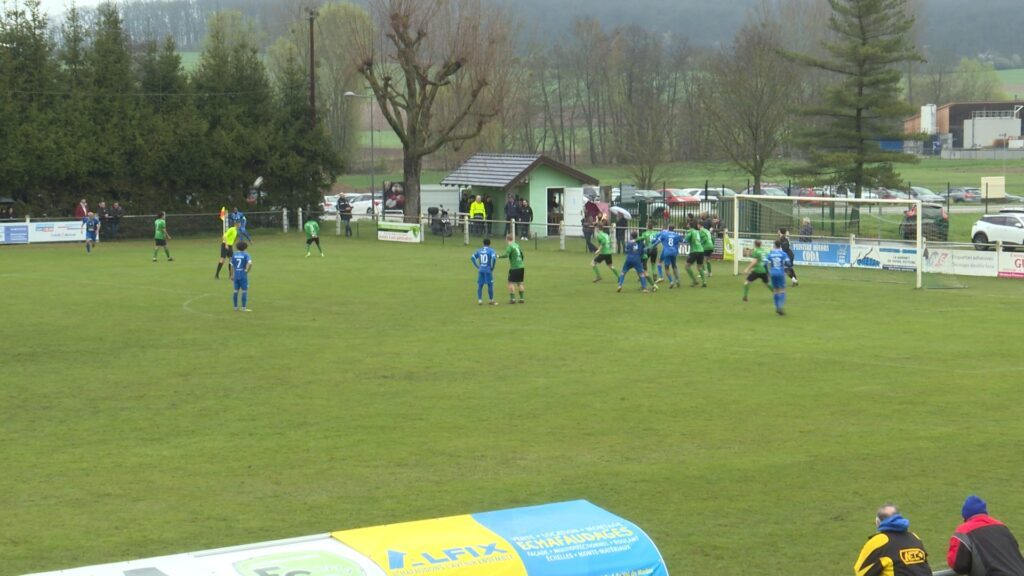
(681,196)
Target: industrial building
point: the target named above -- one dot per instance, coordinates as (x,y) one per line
(969,125)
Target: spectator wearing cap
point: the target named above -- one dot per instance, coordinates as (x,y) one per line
(982,545)
(893,550)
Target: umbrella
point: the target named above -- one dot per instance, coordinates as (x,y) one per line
(619,210)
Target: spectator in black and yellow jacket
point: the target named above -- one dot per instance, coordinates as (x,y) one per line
(893,550)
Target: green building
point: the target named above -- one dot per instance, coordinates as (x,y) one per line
(545,183)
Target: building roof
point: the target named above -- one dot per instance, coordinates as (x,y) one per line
(505,171)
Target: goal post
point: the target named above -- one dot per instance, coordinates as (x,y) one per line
(864,233)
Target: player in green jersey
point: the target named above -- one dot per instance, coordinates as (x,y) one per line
(696,255)
(516,269)
(603,253)
(161,236)
(650,257)
(756,270)
(708,243)
(312,229)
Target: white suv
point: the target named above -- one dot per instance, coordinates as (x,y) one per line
(1007,226)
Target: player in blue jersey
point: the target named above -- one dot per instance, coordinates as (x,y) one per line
(634,261)
(778,262)
(669,240)
(484,261)
(91,224)
(241,264)
(238,217)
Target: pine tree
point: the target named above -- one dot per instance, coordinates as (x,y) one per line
(863,106)
(302,161)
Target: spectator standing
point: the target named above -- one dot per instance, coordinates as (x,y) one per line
(489,212)
(806,230)
(893,550)
(588,233)
(103,213)
(82,209)
(982,545)
(116,213)
(783,241)
(525,218)
(478,212)
(620,234)
(511,213)
(345,213)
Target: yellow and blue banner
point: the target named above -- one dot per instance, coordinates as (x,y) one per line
(565,539)
(573,538)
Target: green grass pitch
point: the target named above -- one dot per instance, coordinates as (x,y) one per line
(140,416)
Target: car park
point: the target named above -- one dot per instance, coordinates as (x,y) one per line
(923,194)
(934,223)
(1007,227)
(962,195)
(766,190)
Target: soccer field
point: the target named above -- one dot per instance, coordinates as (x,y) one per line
(140,416)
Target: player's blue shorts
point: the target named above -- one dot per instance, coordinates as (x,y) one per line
(633,265)
(778,280)
(90,236)
(668,259)
(483,279)
(241,282)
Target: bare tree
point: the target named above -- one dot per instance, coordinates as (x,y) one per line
(748,99)
(436,69)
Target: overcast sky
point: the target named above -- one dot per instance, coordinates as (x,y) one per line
(57,7)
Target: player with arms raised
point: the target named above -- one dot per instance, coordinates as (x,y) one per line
(484,261)
(778,261)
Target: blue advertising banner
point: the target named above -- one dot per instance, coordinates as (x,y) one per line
(574,538)
(821,253)
(14,234)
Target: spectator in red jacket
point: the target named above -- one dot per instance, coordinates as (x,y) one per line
(982,545)
(81,209)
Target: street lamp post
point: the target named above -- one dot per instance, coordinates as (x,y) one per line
(373,164)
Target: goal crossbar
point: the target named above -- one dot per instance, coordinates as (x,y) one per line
(918,238)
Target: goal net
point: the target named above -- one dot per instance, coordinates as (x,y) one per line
(871,239)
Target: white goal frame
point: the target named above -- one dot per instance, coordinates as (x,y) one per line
(918,243)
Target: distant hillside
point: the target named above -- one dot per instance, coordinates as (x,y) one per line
(954,28)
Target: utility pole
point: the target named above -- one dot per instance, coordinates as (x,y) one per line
(313,13)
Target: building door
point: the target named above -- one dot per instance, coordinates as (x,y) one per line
(556,209)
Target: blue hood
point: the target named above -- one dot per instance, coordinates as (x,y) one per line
(894,523)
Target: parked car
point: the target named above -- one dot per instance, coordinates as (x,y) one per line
(1014,198)
(364,204)
(1006,226)
(766,191)
(891,194)
(924,195)
(633,195)
(722,192)
(681,196)
(934,223)
(960,195)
